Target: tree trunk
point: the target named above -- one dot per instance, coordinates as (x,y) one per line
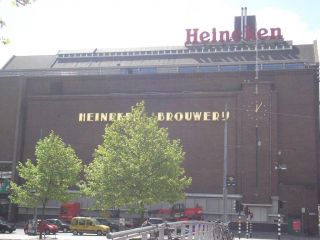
(41,218)
(141,207)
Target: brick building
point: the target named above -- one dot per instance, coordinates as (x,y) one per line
(268,95)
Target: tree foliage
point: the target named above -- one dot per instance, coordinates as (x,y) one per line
(136,165)
(55,170)
(23,2)
(4,40)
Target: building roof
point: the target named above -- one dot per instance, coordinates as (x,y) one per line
(268,52)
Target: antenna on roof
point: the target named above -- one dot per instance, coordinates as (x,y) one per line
(257,65)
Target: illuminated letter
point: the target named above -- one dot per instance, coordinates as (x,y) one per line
(188,116)
(197,116)
(96,117)
(169,116)
(206,116)
(112,116)
(82,117)
(215,116)
(104,117)
(261,34)
(119,116)
(193,35)
(214,35)
(249,34)
(236,35)
(89,117)
(226,34)
(161,116)
(225,115)
(204,37)
(276,33)
(178,116)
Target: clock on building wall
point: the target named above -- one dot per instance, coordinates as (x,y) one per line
(256,109)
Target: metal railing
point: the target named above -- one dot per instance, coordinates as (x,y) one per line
(184,230)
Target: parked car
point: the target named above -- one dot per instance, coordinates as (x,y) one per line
(113,226)
(62,226)
(42,226)
(6,227)
(80,225)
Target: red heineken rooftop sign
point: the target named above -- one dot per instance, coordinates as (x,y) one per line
(195,36)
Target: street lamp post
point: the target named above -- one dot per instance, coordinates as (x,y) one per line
(225,171)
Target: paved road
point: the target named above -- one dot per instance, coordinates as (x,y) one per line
(19,235)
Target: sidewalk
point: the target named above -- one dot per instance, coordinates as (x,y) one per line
(272,235)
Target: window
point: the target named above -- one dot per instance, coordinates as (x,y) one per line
(81,222)
(138,70)
(208,69)
(248,67)
(126,71)
(230,68)
(89,223)
(5,166)
(5,176)
(272,66)
(148,70)
(187,69)
(294,65)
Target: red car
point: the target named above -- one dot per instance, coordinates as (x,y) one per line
(42,226)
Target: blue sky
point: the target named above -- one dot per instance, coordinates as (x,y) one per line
(47,26)
(308,10)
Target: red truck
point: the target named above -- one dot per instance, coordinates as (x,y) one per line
(178,212)
(69,210)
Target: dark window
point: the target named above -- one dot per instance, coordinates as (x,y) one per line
(294,65)
(89,223)
(272,66)
(230,68)
(126,71)
(138,70)
(147,70)
(81,222)
(208,69)
(187,69)
(248,67)
(5,167)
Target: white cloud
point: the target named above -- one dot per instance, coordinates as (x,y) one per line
(292,25)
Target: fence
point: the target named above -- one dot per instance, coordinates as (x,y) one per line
(185,230)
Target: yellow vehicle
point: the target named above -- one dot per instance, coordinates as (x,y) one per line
(80,225)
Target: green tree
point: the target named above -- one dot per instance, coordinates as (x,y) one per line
(55,170)
(136,165)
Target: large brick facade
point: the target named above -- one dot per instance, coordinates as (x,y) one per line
(272,121)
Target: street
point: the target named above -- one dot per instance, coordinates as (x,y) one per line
(20,235)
